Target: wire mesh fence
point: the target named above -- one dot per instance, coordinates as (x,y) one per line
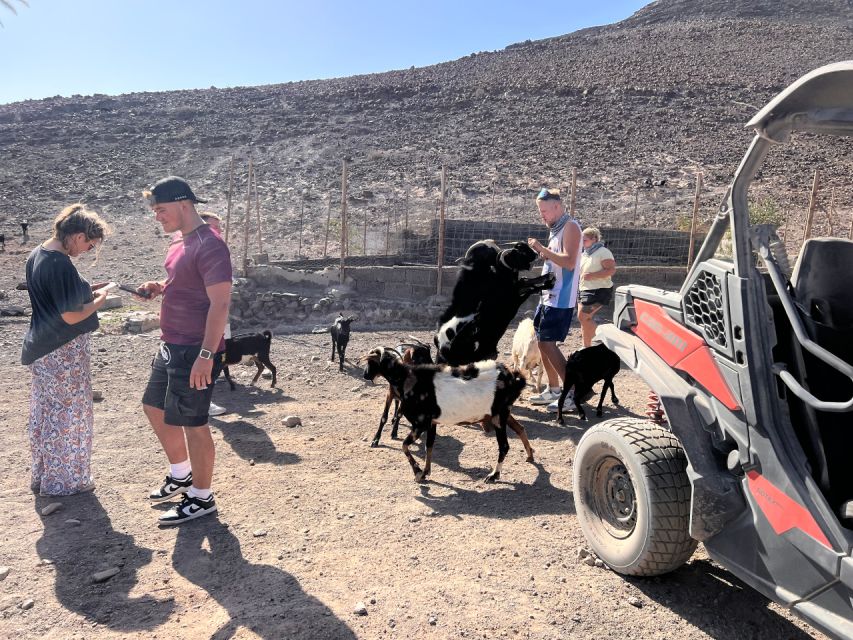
(644,222)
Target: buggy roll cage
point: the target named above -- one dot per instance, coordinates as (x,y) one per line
(821,102)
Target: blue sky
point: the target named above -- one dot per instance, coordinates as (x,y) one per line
(66,47)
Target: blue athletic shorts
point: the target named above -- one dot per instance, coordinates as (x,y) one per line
(552,323)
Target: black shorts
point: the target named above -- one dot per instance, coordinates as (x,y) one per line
(593,297)
(169,385)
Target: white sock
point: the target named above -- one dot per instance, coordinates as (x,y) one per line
(181,470)
(201,494)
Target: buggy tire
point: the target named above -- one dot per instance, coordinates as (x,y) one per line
(632,496)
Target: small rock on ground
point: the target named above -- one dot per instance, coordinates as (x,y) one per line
(4,571)
(360,609)
(106,574)
(27,604)
(53,506)
(292,421)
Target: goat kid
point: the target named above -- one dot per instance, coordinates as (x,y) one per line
(525,352)
(433,393)
(409,354)
(584,368)
(339,331)
(253,346)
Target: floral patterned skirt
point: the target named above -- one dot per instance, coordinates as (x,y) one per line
(61,420)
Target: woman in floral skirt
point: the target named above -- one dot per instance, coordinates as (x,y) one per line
(56,349)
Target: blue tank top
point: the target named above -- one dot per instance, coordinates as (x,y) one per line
(564,294)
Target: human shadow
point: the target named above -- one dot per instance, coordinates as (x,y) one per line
(504,500)
(253,443)
(79,551)
(700,590)
(258,597)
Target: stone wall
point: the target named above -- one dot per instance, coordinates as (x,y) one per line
(289,301)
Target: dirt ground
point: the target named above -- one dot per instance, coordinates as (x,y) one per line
(313,521)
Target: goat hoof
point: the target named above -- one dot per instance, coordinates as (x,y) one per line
(598,413)
(492,478)
(374,444)
(530,457)
(615,401)
(420,477)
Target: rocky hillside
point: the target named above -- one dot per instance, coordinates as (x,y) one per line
(655,96)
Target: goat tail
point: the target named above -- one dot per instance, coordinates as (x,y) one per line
(268,336)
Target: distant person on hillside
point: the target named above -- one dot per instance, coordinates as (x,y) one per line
(555,310)
(196,295)
(2,242)
(596,285)
(25,232)
(57,350)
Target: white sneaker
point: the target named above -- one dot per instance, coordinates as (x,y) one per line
(216,410)
(544,398)
(846,511)
(568,404)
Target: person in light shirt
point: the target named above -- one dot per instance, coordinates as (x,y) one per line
(596,283)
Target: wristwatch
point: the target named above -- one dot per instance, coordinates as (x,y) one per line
(205,354)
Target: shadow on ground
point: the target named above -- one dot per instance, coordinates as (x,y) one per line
(253,443)
(258,597)
(504,500)
(713,600)
(77,552)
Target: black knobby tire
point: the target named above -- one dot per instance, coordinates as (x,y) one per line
(632,496)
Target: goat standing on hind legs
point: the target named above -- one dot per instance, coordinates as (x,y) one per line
(438,393)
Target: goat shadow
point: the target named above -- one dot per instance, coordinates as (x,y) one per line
(245,398)
(258,597)
(542,425)
(507,501)
(253,443)
(700,589)
(77,552)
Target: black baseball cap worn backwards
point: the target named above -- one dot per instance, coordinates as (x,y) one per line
(171,189)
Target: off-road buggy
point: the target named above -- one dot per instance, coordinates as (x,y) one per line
(751,452)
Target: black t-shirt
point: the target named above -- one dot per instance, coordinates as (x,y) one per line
(55,288)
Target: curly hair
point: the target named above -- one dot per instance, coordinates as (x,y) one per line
(76,218)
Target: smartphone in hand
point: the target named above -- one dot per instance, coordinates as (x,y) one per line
(135,291)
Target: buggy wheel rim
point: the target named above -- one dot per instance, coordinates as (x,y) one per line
(614,499)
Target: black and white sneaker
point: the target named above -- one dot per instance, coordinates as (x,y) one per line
(189,508)
(171,487)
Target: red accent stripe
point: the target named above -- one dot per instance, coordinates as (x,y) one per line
(682,349)
(783,512)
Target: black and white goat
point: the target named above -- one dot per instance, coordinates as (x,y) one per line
(255,347)
(584,368)
(434,393)
(410,353)
(486,298)
(340,337)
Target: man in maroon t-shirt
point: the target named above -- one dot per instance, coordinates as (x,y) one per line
(196,295)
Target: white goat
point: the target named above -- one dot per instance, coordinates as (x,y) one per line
(525,352)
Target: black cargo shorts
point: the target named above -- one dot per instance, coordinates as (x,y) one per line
(169,385)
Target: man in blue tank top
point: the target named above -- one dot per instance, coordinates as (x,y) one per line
(554,314)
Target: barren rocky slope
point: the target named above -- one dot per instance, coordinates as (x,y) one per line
(657,95)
